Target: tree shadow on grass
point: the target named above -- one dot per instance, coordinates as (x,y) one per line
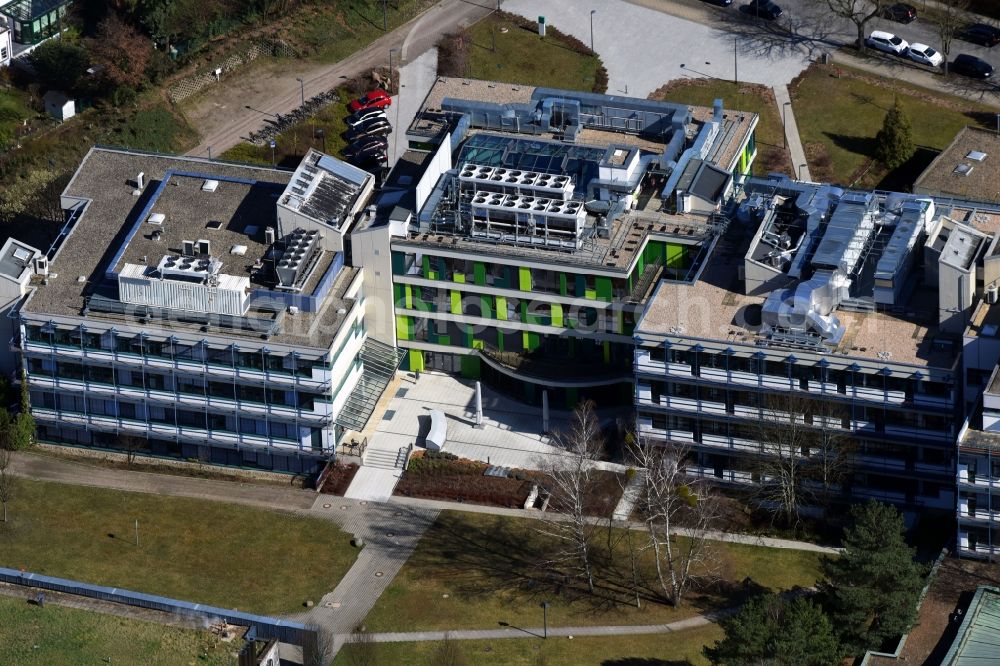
(860,145)
(901,178)
(987,119)
(505,557)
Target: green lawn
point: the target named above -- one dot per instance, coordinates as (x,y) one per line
(676,649)
(207,552)
(772,156)
(332,30)
(521,56)
(471,571)
(57,636)
(322,131)
(839,116)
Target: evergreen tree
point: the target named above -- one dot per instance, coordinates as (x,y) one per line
(894,142)
(873,586)
(771,630)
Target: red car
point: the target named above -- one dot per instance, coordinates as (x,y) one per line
(376,99)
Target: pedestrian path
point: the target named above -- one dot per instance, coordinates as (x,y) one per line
(374,484)
(798,155)
(389,533)
(541,632)
(630,495)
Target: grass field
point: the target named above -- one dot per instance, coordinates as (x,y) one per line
(521,56)
(323,131)
(839,116)
(206,552)
(772,156)
(57,636)
(471,571)
(331,31)
(676,649)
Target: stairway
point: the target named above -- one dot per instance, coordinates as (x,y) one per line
(379,365)
(384,459)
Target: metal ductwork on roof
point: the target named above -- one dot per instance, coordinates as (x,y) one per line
(807,307)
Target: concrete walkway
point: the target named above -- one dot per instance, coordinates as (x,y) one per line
(390,533)
(791,128)
(538,632)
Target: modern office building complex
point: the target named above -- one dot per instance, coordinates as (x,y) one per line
(526,232)
(203,310)
(834,312)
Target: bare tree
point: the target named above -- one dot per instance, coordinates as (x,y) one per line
(132,445)
(802,454)
(364,651)
(571,479)
(449,653)
(858,12)
(949,19)
(7,481)
(670,499)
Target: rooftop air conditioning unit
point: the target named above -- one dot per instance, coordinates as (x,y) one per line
(992,293)
(204,247)
(188,248)
(41,266)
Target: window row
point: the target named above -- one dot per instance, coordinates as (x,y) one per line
(200,352)
(234,423)
(843,378)
(163,382)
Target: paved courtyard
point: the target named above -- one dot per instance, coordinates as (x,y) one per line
(511,435)
(643,48)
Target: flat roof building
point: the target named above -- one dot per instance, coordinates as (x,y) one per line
(845,307)
(184,307)
(528,225)
(969,168)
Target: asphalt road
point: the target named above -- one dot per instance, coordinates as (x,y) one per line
(220,114)
(813,22)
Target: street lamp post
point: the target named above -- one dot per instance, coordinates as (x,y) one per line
(390,69)
(322,134)
(385,18)
(784,130)
(302,90)
(545,619)
(592,12)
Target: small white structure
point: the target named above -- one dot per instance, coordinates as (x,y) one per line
(59,105)
(438,434)
(6,45)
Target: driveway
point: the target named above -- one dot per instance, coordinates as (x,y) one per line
(643,48)
(220,114)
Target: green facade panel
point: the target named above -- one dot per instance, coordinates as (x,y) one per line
(416,360)
(456,302)
(524,278)
(479,273)
(470,366)
(603,285)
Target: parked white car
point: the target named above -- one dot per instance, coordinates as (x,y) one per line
(924,54)
(888,42)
